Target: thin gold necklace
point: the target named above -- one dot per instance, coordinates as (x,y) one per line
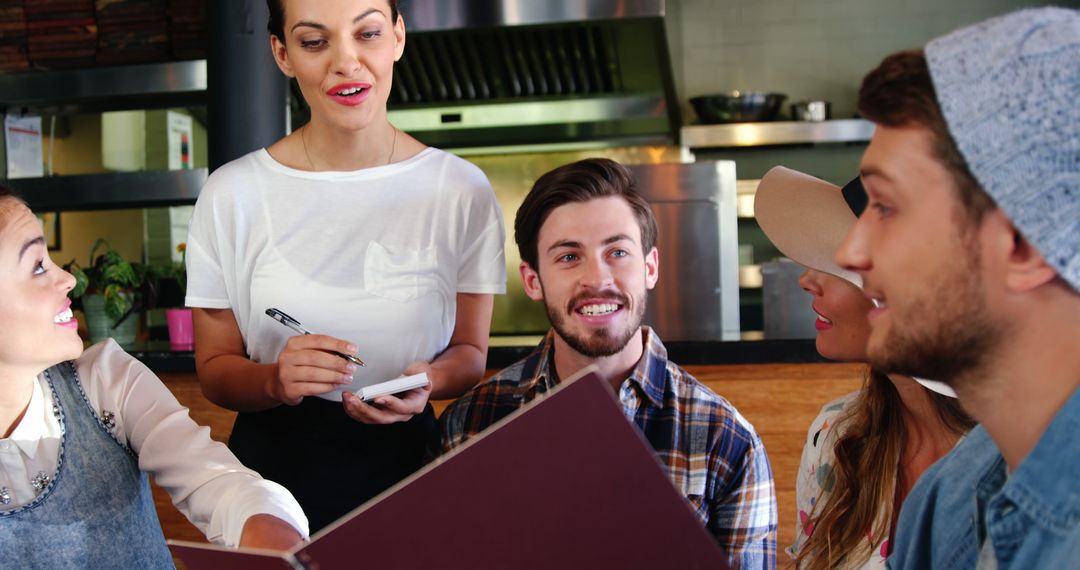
(303,131)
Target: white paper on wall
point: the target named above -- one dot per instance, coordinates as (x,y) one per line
(180,133)
(22,137)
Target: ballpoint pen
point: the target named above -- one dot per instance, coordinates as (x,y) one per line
(295,325)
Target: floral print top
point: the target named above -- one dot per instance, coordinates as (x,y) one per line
(816,479)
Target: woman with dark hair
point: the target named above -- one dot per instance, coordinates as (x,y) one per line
(80,430)
(389,248)
(865,451)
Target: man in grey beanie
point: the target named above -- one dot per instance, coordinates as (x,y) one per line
(970,249)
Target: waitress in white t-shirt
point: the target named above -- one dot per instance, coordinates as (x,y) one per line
(389,249)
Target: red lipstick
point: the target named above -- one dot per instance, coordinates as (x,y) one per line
(349,94)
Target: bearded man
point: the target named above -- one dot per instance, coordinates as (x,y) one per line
(970,250)
(586,240)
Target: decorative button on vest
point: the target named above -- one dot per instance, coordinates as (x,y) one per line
(40,481)
(5,496)
(108,418)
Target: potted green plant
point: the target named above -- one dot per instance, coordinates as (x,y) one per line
(108,292)
(166,288)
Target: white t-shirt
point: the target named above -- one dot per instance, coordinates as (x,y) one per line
(205,480)
(375,257)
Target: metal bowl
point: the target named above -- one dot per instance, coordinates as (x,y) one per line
(738,106)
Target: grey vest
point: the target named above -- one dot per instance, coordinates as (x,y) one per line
(98,511)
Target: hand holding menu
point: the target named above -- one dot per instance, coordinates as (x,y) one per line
(565,482)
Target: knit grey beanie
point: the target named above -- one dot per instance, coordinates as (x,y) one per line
(1009,89)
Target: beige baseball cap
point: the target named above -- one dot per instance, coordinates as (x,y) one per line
(806,218)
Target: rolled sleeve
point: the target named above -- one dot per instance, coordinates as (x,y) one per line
(744,519)
(204,479)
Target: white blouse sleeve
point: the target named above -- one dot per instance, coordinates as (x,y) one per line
(212,221)
(205,480)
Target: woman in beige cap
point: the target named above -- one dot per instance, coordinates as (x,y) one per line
(865,451)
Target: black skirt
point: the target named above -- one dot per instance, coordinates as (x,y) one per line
(330,462)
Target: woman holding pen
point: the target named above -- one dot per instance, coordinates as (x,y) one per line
(389,249)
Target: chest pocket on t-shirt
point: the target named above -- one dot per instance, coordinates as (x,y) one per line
(401,276)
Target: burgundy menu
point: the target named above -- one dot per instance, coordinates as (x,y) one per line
(566,482)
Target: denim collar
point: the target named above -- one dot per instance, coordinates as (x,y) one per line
(1044,485)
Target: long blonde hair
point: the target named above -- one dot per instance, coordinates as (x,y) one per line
(860,504)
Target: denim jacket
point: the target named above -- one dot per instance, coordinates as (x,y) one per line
(1030,516)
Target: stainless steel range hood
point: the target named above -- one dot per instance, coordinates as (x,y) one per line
(497,73)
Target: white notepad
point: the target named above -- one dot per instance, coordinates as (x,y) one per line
(394,386)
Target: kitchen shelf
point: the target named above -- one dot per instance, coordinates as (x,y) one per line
(750,276)
(113,190)
(144,86)
(745,190)
(776,133)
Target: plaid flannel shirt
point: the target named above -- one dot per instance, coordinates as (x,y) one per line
(712,454)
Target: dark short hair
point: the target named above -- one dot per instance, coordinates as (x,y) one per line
(5,195)
(900,92)
(6,192)
(276,23)
(580,181)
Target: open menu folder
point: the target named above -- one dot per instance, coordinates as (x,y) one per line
(565,482)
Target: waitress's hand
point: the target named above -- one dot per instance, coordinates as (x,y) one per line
(269,532)
(308,367)
(391,408)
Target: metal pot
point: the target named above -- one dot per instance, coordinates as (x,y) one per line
(738,106)
(811,111)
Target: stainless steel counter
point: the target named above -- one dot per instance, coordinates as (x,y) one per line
(776,133)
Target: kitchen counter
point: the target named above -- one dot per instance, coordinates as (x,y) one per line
(158,356)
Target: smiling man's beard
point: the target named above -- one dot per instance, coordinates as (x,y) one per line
(599,342)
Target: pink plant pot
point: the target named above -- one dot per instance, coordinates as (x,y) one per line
(181,330)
